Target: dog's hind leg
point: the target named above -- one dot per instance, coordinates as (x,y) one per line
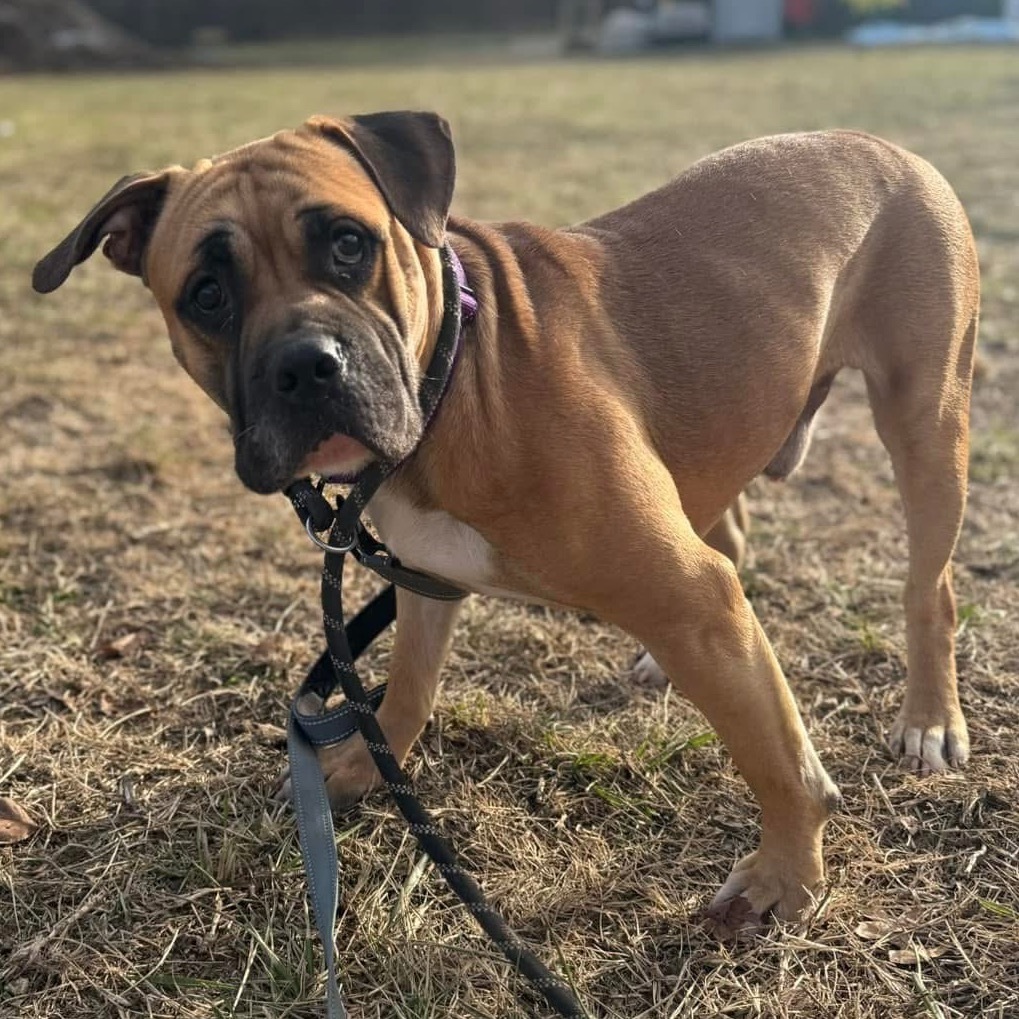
(922,416)
(729,535)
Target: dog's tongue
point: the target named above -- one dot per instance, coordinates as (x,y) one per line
(339,454)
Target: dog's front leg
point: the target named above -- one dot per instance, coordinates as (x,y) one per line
(683,601)
(714,651)
(424,629)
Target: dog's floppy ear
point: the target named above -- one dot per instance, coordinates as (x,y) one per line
(125,215)
(410,157)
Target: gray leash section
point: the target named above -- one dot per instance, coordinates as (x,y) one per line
(311,800)
(318,848)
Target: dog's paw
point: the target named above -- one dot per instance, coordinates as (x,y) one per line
(926,744)
(763,883)
(648,672)
(349,771)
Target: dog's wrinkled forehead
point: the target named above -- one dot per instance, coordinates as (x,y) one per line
(392,167)
(251,203)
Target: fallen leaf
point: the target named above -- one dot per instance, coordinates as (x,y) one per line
(127,793)
(121,647)
(15,824)
(917,953)
(874,930)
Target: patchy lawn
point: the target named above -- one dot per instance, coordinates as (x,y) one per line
(155,617)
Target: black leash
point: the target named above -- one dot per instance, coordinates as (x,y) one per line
(311,725)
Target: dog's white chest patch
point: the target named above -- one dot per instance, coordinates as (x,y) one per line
(435,542)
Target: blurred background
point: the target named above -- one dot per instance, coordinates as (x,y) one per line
(53,34)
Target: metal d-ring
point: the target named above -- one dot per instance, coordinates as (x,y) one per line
(324,545)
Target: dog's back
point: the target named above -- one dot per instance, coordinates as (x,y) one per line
(785,251)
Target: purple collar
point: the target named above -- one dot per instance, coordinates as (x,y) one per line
(468,299)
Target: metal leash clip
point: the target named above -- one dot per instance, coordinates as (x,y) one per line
(348,546)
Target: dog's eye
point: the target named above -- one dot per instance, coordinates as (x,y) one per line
(348,246)
(207,296)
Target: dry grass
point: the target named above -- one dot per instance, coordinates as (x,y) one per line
(601,816)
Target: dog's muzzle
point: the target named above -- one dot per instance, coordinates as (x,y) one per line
(311,386)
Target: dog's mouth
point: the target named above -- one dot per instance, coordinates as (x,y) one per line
(338,458)
(336,443)
(269,457)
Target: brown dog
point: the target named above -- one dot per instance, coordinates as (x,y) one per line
(624,380)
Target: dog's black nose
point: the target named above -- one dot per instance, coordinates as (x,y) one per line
(306,369)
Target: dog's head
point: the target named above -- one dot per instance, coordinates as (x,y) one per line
(300,281)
